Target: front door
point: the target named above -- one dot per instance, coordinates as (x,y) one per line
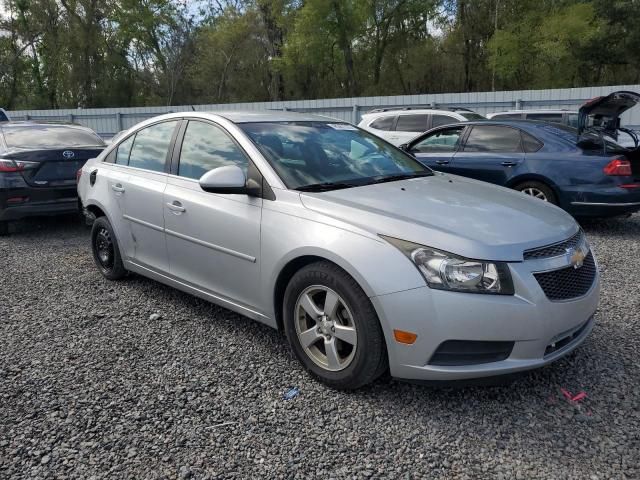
(213,239)
(436,150)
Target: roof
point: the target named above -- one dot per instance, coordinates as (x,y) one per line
(38,123)
(271,116)
(417,110)
(536,110)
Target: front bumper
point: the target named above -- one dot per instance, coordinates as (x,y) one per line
(528,319)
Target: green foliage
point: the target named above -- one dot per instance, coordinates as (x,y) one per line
(69,53)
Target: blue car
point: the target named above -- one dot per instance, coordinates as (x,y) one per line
(585,172)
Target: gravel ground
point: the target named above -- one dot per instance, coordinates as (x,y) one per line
(94,385)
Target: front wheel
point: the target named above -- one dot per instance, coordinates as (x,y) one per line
(537,190)
(333,328)
(105,250)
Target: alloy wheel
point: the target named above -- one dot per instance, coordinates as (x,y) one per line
(325,328)
(535,192)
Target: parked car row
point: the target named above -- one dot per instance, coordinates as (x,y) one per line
(370,258)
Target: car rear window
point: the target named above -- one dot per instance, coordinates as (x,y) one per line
(49,136)
(545,117)
(472,116)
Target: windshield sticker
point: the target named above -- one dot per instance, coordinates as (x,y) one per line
(341,126)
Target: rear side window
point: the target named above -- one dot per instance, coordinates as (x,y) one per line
(530,143)
(437,120)
(383,123)
(41,136)
(151,145)
(411,123)
(546,117)
(205,147)
(493,138)
(123,151)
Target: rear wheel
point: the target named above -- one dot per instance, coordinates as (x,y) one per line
(537,190)
(4,228)
(105,250)
(333,328)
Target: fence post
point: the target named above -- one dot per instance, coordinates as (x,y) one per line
(27,116)
(354,114)
(119,121)
(70,118)
(518,104)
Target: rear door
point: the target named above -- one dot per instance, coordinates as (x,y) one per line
(436,150)
(142,194)
(213,239)
(490,153)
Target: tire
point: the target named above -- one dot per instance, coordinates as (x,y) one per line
(346,360)
(106,252)
(538,190)
(4,228)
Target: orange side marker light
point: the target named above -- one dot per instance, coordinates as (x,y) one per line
(408,338)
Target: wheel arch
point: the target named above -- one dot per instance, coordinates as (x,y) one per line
(298,261)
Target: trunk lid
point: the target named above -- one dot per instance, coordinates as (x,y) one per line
(54,167)
(603,113)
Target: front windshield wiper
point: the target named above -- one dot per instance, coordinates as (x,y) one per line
(401,176)
(325,186)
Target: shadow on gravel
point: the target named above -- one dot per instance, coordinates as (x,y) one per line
(616,226)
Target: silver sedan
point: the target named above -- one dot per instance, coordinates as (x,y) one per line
(366,259)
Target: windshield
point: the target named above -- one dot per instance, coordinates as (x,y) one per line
(49,136)
(325,155)
(472,116)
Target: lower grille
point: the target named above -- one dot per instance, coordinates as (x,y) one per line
(469,352)
(569,282)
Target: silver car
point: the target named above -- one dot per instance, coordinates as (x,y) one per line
(367,260)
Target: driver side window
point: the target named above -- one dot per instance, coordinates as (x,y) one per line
(442,141)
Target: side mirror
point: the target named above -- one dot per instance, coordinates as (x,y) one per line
(404,147)
(228,179)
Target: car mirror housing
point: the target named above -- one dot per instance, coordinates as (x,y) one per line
(229,179)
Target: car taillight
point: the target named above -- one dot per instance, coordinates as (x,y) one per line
(618,167)
(8,165)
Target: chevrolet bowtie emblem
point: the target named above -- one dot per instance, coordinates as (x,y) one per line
(576,257)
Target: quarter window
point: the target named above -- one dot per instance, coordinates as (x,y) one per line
(383,123)
(412,123)
(493,139)
(123,151)
(205,147)
(530,143)
(151,145)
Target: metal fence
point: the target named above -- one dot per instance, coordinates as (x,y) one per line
(108,121)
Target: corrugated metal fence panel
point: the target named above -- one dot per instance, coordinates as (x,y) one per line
(108,121)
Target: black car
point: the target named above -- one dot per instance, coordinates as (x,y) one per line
(38,165)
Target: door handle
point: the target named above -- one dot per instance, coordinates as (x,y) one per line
(442,162)
(117,188)
(176,206)
(509,164)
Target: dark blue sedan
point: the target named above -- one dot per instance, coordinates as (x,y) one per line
(591,175)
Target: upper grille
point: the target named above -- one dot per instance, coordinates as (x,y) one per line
(567,283)
(554,250)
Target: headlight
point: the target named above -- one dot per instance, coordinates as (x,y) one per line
(446,271)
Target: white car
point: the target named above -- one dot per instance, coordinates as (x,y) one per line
(398,126)
(565,117)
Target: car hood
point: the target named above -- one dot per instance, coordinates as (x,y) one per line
(609,108)
(455,214)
